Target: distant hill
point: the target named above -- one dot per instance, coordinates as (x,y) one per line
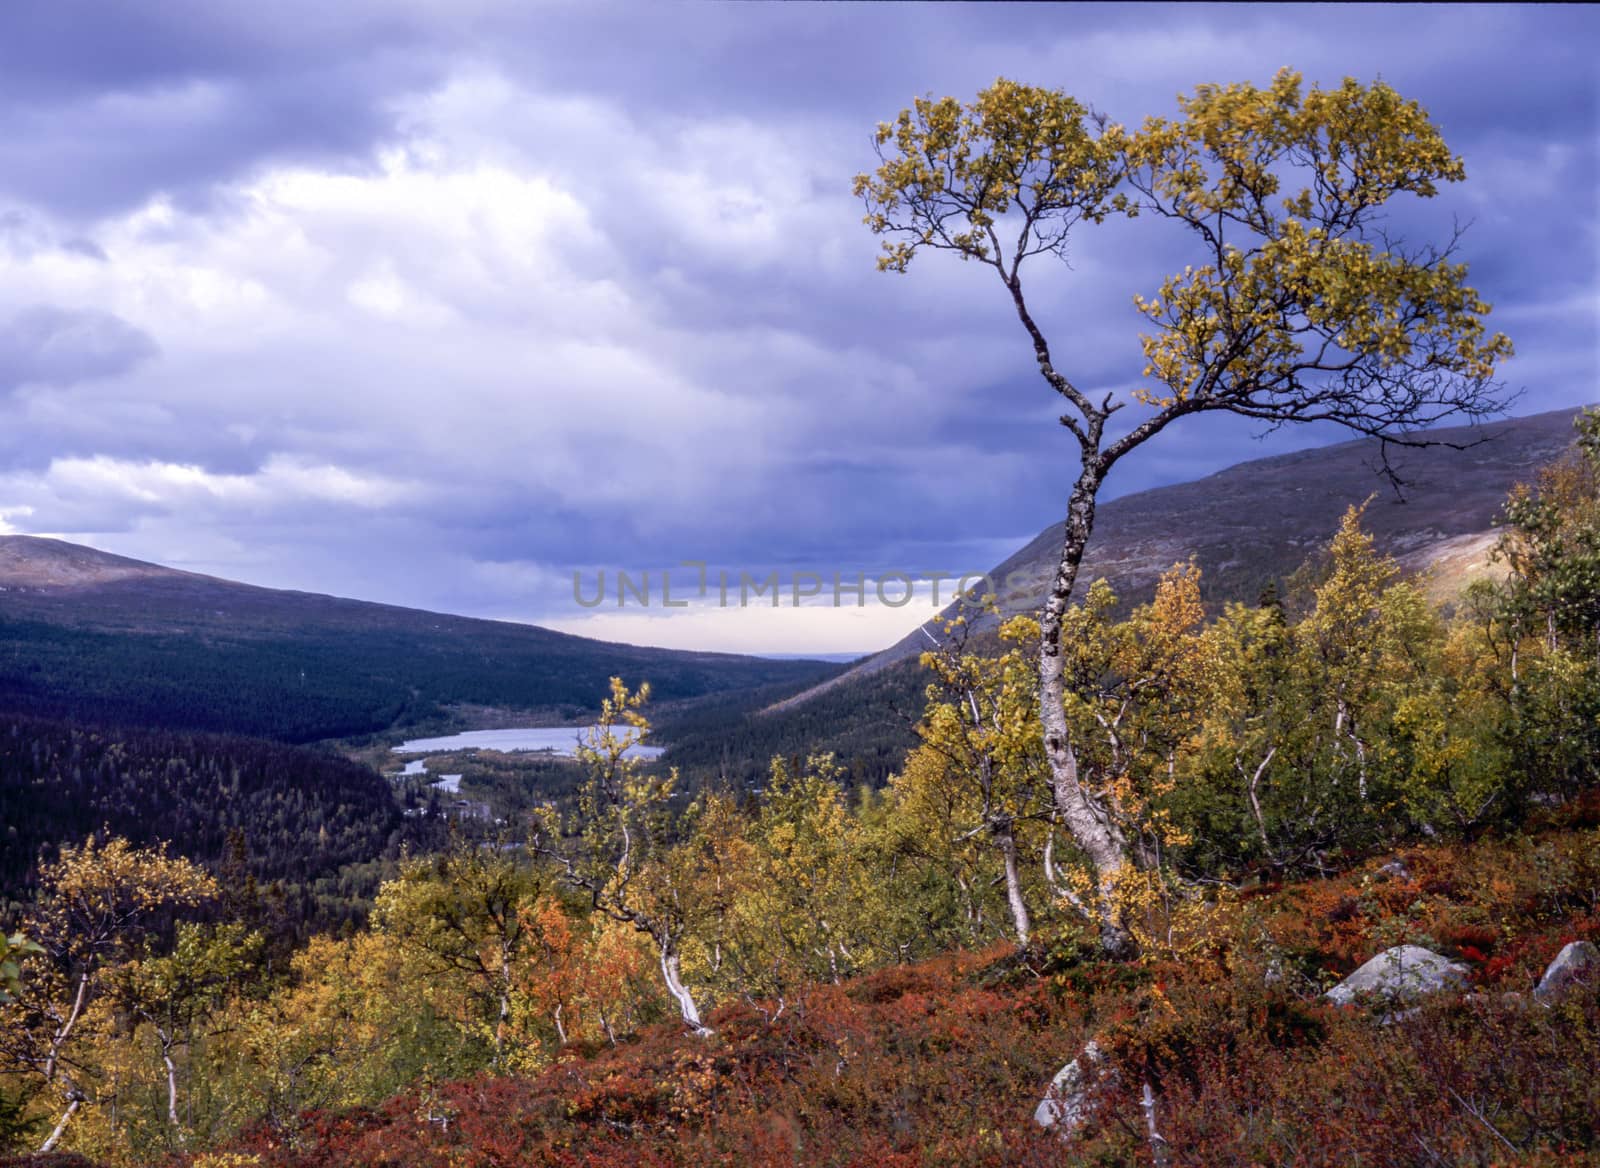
(89,635)
(1257,521)
(731,739)
(1249,525)
(28,563)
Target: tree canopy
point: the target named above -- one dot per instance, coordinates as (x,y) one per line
(1298,305)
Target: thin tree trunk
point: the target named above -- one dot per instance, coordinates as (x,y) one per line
(671,975)
(74,1102)
(1085,817)
(1052,881)
(1158,1142)
(501,1024)
(969,908)
(1020,921)
(1050,854)
(64,1032)
(1255,804)
(172,1093)
(165,1037)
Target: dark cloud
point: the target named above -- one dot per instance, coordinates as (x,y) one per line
(581,283)
(95,155)
(109,104)
(46,345)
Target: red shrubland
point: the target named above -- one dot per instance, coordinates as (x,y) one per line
(942,1062)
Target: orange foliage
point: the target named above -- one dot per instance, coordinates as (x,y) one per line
(942,1062)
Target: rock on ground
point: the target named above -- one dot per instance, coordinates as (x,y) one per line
(1067,1105)
(1578,962)
(1404,972)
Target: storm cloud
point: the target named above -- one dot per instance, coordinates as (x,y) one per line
(438,304)
(46,345)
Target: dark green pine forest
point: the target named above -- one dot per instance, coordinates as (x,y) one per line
(308,822)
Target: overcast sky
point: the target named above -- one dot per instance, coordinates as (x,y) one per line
(438,302)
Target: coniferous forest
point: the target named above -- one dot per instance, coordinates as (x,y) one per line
(294,817)
(302,669)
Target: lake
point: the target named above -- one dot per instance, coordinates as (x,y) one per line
(557,739)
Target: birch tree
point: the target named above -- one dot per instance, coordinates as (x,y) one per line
(1296,307)
(980,755)
(617,849)
(465,913)
(1545,617)
(97,904)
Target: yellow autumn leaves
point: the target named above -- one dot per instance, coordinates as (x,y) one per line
(1280,189)
(949,172)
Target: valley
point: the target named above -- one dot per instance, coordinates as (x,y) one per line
(106,641)
(385,387)
(395,862)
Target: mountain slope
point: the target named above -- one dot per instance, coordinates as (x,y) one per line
(296,815)
(28,562)
(1257,521)
(85,634)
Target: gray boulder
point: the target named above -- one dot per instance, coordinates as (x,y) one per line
(1577,963)
(1067,1105)
(1403,973)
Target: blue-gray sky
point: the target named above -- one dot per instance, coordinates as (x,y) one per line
(437,302)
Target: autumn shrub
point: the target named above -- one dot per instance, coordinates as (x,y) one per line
(917,1066)
(1460,1081)
(947,1073)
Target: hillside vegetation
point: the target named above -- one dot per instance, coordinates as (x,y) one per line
(942,1062)
(867,723)
(828,975)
